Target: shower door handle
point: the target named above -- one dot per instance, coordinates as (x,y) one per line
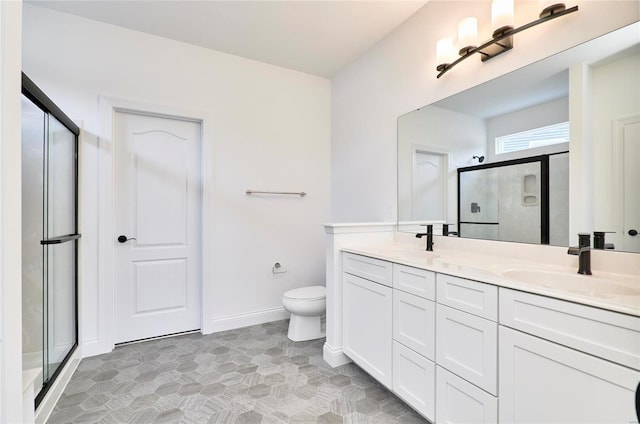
(61,239)
(124,239)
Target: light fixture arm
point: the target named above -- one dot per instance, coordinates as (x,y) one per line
(501,42)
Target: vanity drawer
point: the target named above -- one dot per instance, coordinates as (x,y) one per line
(414,323)
(461,402)
(609,335)
(414,380)
(415,281)
(466,295)
(467,345)
(372,269)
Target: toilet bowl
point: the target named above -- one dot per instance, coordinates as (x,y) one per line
(307,305)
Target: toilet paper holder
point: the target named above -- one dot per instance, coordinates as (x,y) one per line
(278,268)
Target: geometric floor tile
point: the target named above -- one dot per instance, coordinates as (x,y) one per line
(248,375)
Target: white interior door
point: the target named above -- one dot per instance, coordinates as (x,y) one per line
(429,186)
(156,206)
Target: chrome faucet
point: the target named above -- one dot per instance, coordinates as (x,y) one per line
(429,235)
(583,251)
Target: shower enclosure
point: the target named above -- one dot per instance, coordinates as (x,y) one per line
(49,236)
(523,200)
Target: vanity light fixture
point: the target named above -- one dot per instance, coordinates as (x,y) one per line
(502,41)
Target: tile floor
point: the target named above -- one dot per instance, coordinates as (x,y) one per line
(249,375)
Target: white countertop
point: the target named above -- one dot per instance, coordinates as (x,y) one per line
(612,291)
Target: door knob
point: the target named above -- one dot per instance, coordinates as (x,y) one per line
(124,239)
(633,233)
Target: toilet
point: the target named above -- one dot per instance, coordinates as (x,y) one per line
(307,306)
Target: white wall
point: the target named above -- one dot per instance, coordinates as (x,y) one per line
(271,129)
(537,116)
(10,226)
(398,75)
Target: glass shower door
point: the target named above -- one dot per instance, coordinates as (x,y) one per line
(60,241)
(49,236)
(33,136)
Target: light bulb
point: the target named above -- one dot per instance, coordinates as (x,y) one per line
(501,16)
(467,34)
(444,52)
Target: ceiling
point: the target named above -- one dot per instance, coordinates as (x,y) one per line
(507,94)
(316,37)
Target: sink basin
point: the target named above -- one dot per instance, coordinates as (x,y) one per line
(589,285)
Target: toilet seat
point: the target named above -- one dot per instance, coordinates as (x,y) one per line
(307,293)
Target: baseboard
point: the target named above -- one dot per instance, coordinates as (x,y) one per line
(245,320)
(93,347)
(53,395)
(334,357)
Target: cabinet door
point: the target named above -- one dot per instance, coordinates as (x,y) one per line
(467,345)
(367,330)
(543,382)
(461,402)
(414,379)
(414,323)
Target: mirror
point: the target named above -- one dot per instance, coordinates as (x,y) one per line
(593,88)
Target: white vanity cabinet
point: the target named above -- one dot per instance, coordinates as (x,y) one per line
(585,372)
(367,315)
(414,338)
(465,351)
